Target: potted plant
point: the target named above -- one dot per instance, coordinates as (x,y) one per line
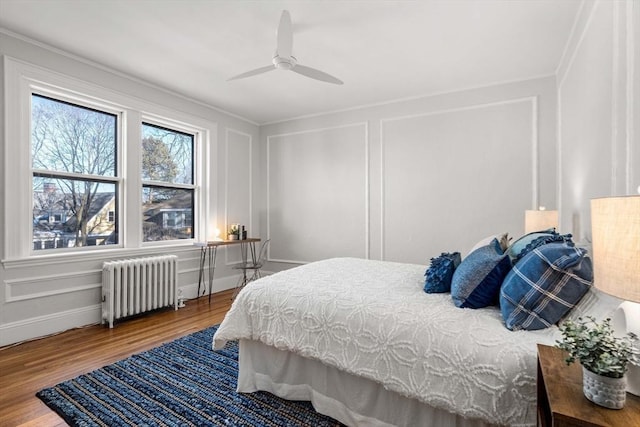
(603,356)
(234,231)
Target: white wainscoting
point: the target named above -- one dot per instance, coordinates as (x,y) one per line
(457,169)
(67,299)
(27,288)
(318,193)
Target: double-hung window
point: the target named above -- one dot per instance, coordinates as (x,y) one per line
(167,183)
(87,168)
(74,174)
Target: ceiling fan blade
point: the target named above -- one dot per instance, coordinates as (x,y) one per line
(285,36)
(253,72)
(316,74)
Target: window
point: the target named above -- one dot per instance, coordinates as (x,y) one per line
(73,154)
(76,186)
(167,183)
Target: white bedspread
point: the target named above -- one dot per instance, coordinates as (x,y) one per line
(372,318)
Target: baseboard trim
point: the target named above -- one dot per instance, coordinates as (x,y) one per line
(42,326)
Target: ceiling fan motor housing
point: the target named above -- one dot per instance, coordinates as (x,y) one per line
(284,63)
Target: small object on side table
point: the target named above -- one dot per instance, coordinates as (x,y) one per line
(561,401)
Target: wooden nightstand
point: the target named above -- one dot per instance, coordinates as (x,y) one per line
(562,403)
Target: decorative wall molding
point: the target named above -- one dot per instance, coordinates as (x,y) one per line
(615,96)
(532,100)
(575,40)
(38,326)
(633,103)
(366,141)
(249,137)
(9,285)
(410,99)
(98,255)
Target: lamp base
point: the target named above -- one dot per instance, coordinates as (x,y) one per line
(625,319)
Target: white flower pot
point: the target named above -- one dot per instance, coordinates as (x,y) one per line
(604,391)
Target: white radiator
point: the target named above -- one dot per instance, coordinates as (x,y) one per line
(137,285)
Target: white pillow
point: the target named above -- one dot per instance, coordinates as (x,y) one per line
(486,241)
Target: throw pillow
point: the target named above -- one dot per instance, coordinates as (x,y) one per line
(476,282)
(530,241)
(487,240)
(544,285)
(440,272)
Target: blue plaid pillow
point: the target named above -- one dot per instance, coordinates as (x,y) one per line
(544,285)
(439,274)
(476,282)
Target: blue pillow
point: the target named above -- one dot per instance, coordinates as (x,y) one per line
(440,272)
(523,245)
(476,282)
(544,285)
(543,240)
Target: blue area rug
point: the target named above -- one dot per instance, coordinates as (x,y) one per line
(181,383)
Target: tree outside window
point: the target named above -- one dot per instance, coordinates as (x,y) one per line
(167,177)
(73,151)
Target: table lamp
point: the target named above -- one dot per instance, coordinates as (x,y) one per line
(615,230)
(541,219)
(216,237)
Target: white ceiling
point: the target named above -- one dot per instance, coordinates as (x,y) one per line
(382,50)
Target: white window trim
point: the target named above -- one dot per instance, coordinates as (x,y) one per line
(198,152)
(55,93)
(21,80)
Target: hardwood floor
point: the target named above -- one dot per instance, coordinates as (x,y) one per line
(28,367)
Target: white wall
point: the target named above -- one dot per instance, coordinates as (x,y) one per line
(45,296)
(598,111)
(407,180)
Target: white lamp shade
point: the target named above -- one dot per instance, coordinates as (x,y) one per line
(540,220)
(615,230)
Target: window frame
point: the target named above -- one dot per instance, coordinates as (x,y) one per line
(172,125)
(116,179)
(21,80)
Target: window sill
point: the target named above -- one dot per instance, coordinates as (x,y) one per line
(95,255)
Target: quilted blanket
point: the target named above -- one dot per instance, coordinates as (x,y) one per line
(372,319)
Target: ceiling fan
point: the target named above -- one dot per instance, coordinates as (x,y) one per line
(283,60)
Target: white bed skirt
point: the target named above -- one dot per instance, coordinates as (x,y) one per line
(352,400)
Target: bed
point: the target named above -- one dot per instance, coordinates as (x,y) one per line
(366,345)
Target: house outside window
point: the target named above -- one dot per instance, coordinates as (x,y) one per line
(167,183)
(74,168)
